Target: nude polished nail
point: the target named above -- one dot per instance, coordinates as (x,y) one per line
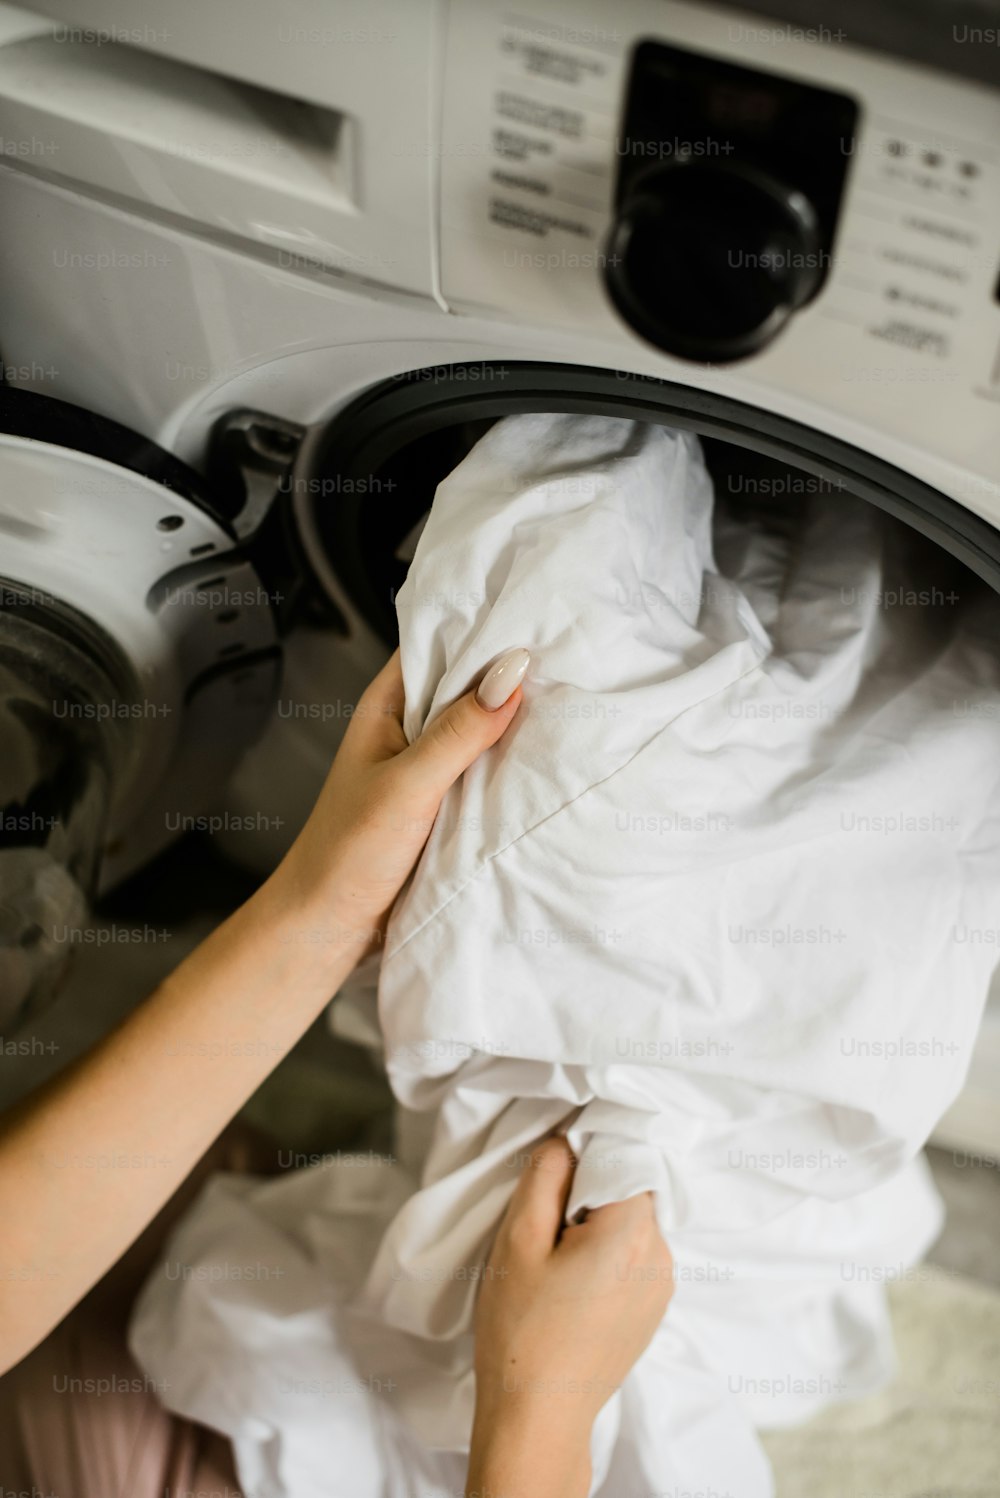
(503,678)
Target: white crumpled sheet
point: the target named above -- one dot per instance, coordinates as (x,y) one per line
(713,900)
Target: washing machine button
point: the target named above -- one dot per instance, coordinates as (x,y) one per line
(708,260)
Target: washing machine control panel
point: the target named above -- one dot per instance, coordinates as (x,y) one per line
(725,201)
(729,186)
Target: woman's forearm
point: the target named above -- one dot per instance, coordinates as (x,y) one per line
(88,1160)
(528,1454)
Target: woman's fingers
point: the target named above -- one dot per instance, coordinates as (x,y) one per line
(535,1214)
(623,1216)
(459,735)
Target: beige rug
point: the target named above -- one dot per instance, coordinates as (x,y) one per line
(935,1432)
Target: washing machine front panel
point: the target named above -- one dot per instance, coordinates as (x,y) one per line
(162,317)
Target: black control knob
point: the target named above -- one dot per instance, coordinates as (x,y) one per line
(708,260)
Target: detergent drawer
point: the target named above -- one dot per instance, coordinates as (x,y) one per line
(259,129)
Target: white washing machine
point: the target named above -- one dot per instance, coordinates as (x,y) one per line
(266,271)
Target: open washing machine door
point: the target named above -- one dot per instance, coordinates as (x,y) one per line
(138,659)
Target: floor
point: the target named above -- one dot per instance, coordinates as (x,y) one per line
(970,1243)
(935,1431)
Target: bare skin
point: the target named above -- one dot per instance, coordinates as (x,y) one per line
(558,1330)
(167,1081)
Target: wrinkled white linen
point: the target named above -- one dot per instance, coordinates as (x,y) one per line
(721,898)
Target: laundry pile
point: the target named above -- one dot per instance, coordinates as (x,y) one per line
(724,897)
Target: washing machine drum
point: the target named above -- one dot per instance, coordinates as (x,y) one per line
(138,658)
(372,476)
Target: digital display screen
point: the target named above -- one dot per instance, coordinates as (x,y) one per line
(729,106)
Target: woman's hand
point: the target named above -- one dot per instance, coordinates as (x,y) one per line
(563,1314)
(378,805)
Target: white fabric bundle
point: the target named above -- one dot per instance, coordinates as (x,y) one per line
(714,898)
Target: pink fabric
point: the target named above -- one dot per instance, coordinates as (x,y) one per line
(79,1420)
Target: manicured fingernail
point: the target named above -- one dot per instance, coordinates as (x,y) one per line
(502,679)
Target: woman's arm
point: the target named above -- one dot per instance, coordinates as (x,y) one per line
(88,1160)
